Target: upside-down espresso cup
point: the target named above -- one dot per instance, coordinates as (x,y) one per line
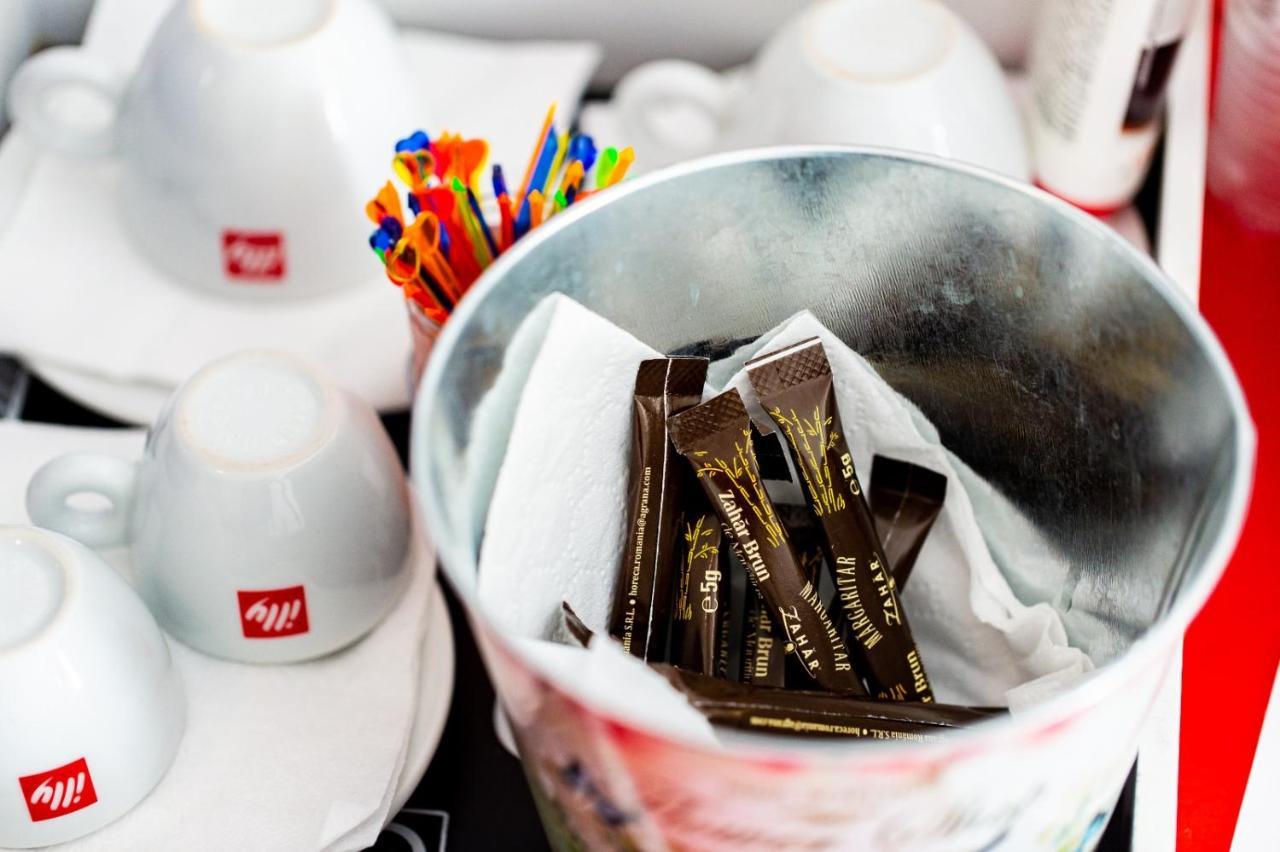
(247,138)
(91,706)
(268,518)
(907,74)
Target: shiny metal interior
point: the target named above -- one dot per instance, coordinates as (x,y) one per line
(1052,357)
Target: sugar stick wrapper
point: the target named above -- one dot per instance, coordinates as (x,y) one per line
(716,439)
(806,540)
(700,613)
(820,714)
(795,388)
(640,614)
(764,653)
(905,501)
(574,625)
(763,658)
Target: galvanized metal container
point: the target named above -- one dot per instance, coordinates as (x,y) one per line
(1052,357)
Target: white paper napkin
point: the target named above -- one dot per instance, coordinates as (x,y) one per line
(555,524)
(297,757)
(559,505)
(99,307)
(620,685)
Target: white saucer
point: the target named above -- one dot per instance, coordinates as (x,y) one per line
(433,702)
(126,402)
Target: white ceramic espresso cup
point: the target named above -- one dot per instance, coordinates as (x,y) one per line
(91,706)
(268,518)
(903,74)
(250,137)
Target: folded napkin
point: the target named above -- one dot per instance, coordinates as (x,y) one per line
(568,446)
(559,506)
(297,757)
(101,308)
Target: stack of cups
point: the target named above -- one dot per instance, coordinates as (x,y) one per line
(1244,158)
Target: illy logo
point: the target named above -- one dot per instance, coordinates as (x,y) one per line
(273,613)
(253,255)
(58,792)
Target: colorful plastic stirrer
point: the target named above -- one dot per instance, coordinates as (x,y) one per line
(625,158)
(424,236)
(608,160)
(437,256)
(385,204)
(506,229)
(535,209)
(582,149)
(547,132)
(418,140)
(471,226)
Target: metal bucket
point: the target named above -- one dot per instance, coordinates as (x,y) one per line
(1058,362)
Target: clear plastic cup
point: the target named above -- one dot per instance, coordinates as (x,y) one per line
(423,331)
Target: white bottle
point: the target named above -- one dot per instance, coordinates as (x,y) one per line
(1098,74)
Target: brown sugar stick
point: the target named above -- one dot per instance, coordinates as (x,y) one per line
(640,614)
(796,388)
(905,500)
(806,540)
(700,615)
(716,439)
(763,645)
(820,714)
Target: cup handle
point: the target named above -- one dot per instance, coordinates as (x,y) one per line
(31,98)
(665,83)
(83,473)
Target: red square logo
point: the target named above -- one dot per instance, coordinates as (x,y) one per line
(58,792)
(254,256)
(273,613)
